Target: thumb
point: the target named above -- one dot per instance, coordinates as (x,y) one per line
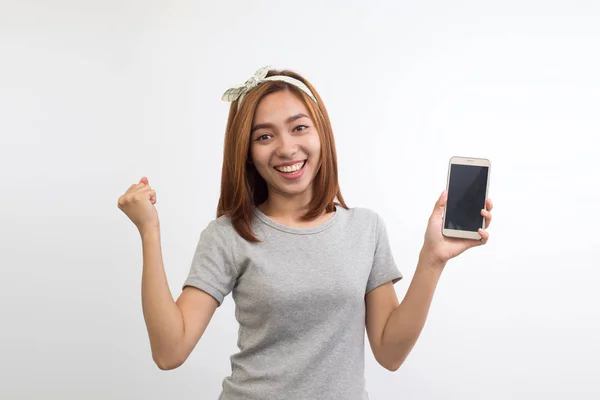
(144,180)
(441,203)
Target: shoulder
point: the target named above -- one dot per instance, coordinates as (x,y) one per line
(362,219)
(362,215)
(220,229)
(222,223)
(219,240)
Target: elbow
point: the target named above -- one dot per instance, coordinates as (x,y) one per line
(165,366)
(390,364)
(392,367)
(167,363)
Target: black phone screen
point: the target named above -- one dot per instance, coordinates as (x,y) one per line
(466,197)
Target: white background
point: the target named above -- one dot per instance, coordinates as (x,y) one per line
(96,94)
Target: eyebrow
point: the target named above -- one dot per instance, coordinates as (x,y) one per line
(287,121)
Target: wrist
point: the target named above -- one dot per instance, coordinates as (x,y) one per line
(430,259)
(149,232)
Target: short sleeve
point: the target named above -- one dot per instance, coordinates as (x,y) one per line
(384,268)
(213,269)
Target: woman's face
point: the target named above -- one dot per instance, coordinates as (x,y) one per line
(284,145)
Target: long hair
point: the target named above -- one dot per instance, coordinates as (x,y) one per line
(242,187)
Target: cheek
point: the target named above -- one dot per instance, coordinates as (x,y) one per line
(259,157)
(314,144)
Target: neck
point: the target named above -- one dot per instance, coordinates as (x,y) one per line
(285,207)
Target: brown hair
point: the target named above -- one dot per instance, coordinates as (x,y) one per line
(242,187)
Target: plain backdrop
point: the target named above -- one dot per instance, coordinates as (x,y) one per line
(96,94)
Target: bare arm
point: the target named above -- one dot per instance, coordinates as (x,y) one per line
(174,328)
(393,328)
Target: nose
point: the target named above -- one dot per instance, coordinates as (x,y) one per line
(287,146)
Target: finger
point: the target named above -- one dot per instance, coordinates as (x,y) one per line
(148,193)
(153,197)
(485,236)
(142,193)
(143,186)
(488,217)
(440,203)
(142,183)
(489,205)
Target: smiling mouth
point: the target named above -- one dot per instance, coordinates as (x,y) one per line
(289,169)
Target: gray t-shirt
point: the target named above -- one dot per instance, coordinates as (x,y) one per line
(300,302)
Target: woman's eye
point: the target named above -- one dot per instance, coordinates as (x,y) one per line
(262,137)
(301,127)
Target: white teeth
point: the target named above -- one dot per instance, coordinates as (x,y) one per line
(290,168)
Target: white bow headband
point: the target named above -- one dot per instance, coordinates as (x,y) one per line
(260,76)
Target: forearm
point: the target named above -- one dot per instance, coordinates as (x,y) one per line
(163,318)
(406,322)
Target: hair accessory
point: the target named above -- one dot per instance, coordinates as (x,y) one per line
(260,76)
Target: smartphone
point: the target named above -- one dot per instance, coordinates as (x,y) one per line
(467,185)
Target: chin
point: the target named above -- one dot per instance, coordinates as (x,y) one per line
(293,188)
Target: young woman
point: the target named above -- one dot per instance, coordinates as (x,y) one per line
(307,273)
